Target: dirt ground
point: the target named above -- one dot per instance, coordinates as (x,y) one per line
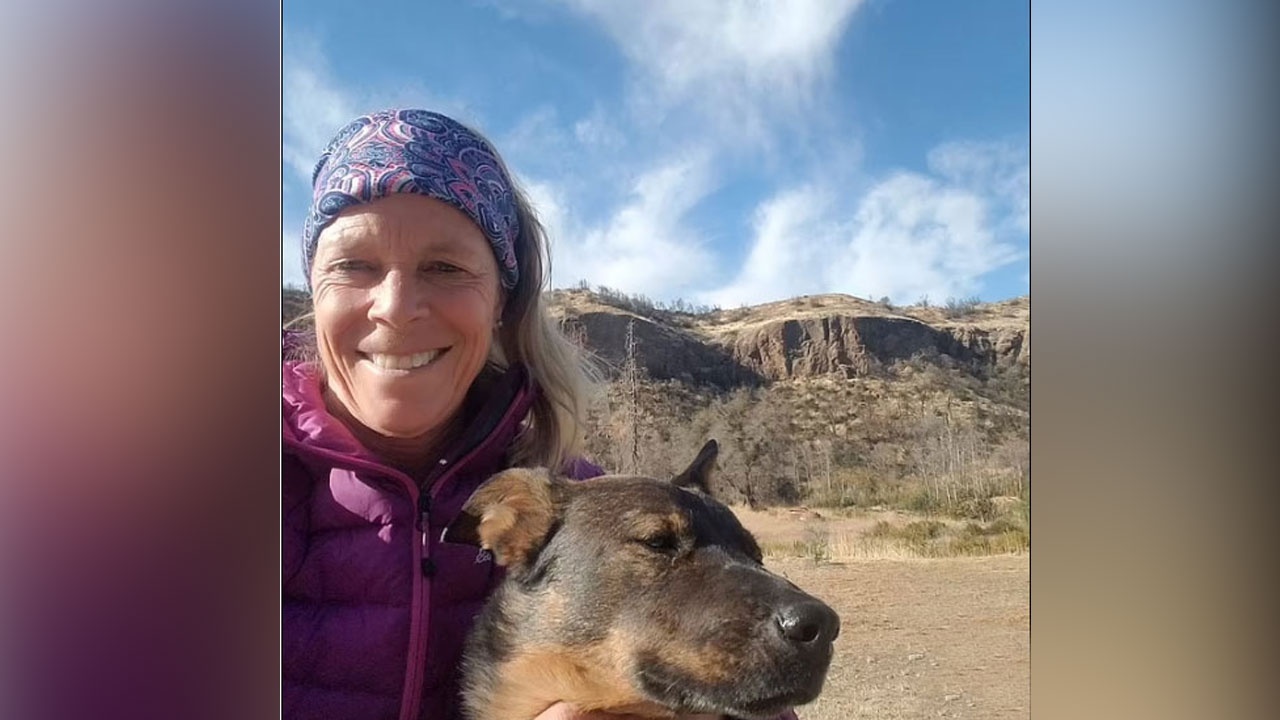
(920,638)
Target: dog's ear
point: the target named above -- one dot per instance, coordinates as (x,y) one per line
(509,515)
(698,474)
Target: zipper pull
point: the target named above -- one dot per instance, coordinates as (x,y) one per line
(424,514)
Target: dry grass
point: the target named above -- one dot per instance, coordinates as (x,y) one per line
(1013,312)
(900,541)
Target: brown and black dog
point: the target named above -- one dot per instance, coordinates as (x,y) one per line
(633,595)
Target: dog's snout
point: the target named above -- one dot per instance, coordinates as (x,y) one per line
(807,622)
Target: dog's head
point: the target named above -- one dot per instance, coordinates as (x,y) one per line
(647,592)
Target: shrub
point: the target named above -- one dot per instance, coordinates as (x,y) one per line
(959,308)
(917,533)
(817,545)
(974,508)
(920,500)
(977,540)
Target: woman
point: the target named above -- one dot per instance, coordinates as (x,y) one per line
(432,366)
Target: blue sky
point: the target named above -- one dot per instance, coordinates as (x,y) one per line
(721,151)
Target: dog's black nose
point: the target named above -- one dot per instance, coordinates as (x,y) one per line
(808,622)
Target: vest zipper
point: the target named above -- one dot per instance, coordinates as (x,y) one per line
(427,565)
(427,569)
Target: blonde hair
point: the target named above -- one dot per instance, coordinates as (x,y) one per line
(563,373)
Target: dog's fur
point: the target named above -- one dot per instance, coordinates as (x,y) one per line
(634,595)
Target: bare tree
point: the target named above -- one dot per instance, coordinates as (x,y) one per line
(631,381)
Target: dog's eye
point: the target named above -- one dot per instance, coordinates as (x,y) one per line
(664,543)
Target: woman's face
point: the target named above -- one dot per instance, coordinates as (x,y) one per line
(406,297)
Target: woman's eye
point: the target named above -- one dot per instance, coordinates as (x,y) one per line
(353,266)
(443,267)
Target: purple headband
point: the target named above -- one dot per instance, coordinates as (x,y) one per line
(415,151)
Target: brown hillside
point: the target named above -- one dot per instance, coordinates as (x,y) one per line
(825,399)
(802,337)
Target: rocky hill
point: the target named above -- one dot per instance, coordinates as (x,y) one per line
(825,399)
(821,399)
(803,337)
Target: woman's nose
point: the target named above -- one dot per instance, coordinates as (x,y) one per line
(396,300)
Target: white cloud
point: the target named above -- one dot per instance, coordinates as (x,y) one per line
(792,230)
(645,246)
(537,132)
(549,205)
(1001,168)
(741,65)
(908,236)
(913,236)
(598,130)
(313,106)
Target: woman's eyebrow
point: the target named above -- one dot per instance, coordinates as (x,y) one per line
(346,238)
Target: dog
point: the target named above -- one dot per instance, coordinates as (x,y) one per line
(633,595)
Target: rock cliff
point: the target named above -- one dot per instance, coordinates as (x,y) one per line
(798,338)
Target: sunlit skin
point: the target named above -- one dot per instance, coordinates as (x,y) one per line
(399,277)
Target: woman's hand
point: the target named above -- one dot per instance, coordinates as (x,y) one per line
(564,711)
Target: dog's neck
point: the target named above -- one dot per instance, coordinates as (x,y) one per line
(529,683)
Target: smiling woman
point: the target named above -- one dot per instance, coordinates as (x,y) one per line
(407,301)
(426,262)
(432,365)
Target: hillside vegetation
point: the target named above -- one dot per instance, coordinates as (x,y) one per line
(828,401)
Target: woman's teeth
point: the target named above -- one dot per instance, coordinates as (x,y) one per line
(403,362)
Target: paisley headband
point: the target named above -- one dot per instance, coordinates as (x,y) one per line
(415,151)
